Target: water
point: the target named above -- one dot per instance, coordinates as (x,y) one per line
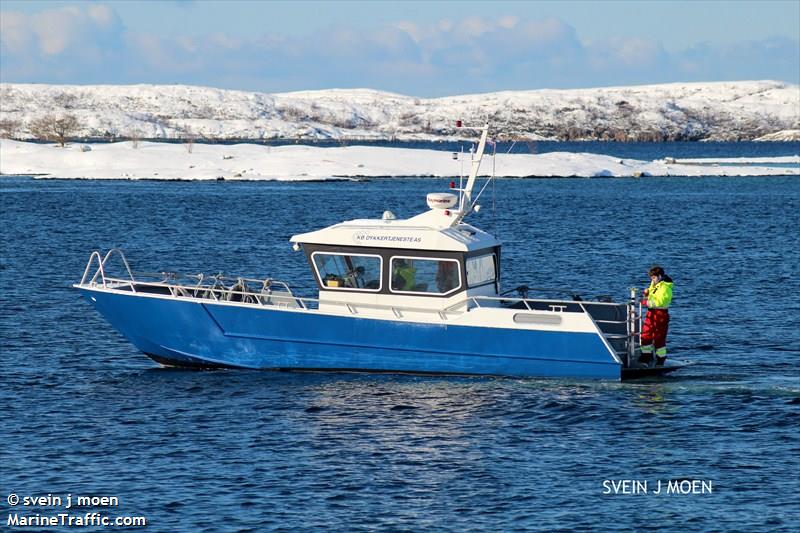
(630,150)
(84,413)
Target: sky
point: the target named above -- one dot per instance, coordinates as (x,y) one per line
(416,48)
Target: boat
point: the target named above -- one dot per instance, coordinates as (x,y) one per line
(420,295)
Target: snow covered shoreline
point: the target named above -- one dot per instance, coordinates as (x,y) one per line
(167,161)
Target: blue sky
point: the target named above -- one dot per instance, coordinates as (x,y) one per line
(416,48)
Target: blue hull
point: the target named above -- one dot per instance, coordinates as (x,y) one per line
(191,333)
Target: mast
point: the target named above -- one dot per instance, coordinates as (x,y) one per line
(465,199)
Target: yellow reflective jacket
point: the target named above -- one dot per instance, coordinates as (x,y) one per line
(408,273)
(659,296)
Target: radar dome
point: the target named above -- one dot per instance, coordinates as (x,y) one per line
(441,200)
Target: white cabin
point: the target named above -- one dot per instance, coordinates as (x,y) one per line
(428,261)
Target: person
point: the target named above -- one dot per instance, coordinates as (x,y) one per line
(446,276)
(404,277)
(658,297)
(355,277)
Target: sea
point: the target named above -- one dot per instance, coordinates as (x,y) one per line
(83,414)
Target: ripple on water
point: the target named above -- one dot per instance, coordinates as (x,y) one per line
(84,413)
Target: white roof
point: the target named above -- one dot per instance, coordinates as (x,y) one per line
(431,230)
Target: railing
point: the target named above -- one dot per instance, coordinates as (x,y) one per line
(633,326)
(506,301)
(214,288)
(288,300)
(216,291)
(101,265)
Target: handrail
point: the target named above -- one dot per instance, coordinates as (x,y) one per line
(527,301)
(89,264)
(527,289)
(101,263)
(218,279)
(265,283)
(280,297)
(121,256)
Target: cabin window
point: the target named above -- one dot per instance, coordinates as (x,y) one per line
(481,270)
(348,271)
(425,276)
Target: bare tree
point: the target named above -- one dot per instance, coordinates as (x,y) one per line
(136,136)
(64,127)
(9,128)
(40,127)
(55,128)
(189,138)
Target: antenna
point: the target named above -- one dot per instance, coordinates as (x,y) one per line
(461,173)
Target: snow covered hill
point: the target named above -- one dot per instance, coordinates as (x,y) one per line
(681,111)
